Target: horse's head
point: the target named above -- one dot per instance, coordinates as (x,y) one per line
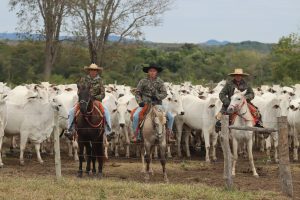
(159,120)
(84,97)
(237,101)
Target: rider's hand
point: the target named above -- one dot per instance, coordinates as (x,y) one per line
(154,98)
(142,104)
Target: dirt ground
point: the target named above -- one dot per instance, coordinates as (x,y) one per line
(195,170)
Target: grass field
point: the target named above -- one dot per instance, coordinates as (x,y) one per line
(40,188)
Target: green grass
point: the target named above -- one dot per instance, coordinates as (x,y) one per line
(73,188)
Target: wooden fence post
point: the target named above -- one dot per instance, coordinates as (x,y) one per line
(224,136)
(285,175)
(57,149)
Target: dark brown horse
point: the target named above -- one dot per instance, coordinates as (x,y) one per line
(89,125)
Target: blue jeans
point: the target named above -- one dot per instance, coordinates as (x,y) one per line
(106,115)
(135,120)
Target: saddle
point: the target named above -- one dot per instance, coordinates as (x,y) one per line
(142,114)
(253,110)
(96,105)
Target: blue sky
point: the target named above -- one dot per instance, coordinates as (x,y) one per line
(200,20)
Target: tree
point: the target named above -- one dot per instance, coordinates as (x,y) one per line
(51,12)
(98,19)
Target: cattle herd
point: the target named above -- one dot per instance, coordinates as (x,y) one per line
(31,112)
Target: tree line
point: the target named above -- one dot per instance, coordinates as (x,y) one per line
(23,61)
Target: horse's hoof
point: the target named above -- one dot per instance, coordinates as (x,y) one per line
(207,161)
(214,160)
(79,174)
(70,155)
(41,162)
(76,158)
(1,165)
(88,173)
(166,180)
(22,163)
(147,178)
(256,175)
(99,175)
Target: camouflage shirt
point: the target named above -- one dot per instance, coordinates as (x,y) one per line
(228,90)
(97,88)
(151,91)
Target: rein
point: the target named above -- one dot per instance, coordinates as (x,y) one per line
(90,112)
(238,108)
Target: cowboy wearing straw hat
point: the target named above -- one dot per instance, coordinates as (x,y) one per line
(97,91)
(151,90)
(227,92)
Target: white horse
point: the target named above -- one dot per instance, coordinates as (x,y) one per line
(238,106)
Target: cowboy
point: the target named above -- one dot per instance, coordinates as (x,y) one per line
(151,90)
(227,92)
(97,91)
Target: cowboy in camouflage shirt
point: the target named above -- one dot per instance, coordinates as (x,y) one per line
(151,90)
(228,91)
(97,91)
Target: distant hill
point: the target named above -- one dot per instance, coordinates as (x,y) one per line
(252,45)
(23,36)
(214,43)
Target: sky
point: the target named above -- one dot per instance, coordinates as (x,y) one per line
(195,21)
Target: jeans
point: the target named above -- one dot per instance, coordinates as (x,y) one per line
(135,121)
(106,115)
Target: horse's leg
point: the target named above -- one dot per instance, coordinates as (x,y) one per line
(249,148)
(100,156)
(235,154)
(89,156)
(142,154)
(93,158)
(81,148)
(162,149)
(38,153)
(155,151)
(148,160)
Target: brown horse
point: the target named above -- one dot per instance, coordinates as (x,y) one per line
(154,132)
(89,125)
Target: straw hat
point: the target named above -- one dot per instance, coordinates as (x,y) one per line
(238,72)
(93,66)
(152,66)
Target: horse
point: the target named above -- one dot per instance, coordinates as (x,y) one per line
(154,132)
(242,117)
(89,125)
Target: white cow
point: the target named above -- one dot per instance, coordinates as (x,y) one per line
(3,121)
(125,105)
(294,123)
(29,116)
(269,107)
(198,115)
(67,99)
